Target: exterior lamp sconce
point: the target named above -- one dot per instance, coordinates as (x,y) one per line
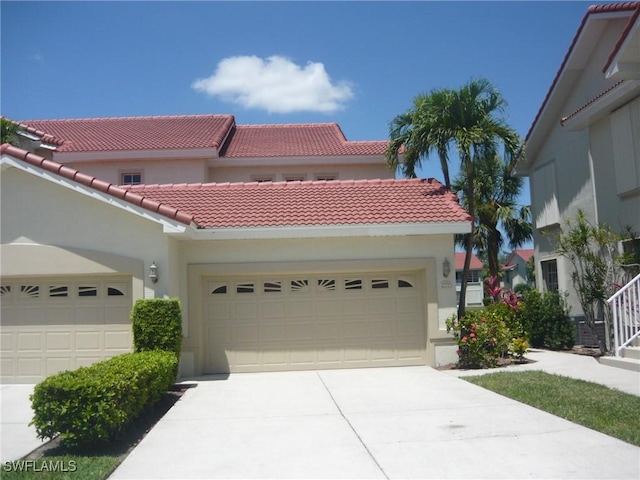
(153,272)
(446,267)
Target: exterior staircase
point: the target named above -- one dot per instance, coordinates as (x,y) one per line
(629,357)
(625,306)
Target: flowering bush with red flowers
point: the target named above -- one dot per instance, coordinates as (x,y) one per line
(482,337)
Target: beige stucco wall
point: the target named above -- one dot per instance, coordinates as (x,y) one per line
(344,172)
(83,235)
(155,171)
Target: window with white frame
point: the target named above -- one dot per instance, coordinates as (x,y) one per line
(326,176)
(550,275)
(131,178)
(473,276)
(263,178)
(295,177)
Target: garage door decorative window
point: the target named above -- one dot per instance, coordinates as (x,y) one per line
(326,285)
(299,286)
(56,291)
(272,287)
(29,291)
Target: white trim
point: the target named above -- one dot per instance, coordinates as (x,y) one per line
(169,226)
(618,67)
(319,231)
(159,154)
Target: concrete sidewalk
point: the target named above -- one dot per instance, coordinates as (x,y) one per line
(17,438)
(571,365)
(404,422)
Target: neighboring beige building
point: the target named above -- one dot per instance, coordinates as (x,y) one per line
(583,148)
(475,287)
(272,275)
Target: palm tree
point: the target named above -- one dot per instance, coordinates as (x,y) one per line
(8,131)
(418,133)
(465,119)
(496,192)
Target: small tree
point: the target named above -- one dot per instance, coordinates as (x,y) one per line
(593,252)
(8,130)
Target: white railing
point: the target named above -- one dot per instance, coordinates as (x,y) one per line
(625,304)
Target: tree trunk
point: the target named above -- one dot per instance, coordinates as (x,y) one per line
(468,239)
(492,251)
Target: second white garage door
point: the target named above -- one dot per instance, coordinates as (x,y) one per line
(314,321)
(62,323)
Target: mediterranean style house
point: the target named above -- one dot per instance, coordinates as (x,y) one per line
(289,246)
(583,148)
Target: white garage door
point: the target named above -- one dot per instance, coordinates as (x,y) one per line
(314,321)
(54,324)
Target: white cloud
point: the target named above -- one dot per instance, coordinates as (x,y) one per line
(275,84)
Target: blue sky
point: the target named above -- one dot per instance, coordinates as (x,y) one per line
(355,63)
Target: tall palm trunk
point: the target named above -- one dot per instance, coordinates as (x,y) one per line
(468,240)
(493,241)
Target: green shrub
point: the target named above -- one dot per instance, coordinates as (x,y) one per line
(510,315)
(523,288)
(545,317)
(519,347)
(482,337)
(157,325)
(93,404)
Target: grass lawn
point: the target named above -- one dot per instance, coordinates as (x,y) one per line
(59,467)
(594,406)
(54,461)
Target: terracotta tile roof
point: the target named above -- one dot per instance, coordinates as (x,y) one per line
(594,9)
(525,253)
(348,202)
(229,205)
(318,139)
(100,185)
(136,133)
(476,264)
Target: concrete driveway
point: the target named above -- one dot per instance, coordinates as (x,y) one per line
(17,438)
(407,422)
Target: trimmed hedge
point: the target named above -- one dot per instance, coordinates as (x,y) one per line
(94,404)
(157,325)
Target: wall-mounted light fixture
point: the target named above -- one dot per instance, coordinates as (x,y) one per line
(153,272)
(446,267)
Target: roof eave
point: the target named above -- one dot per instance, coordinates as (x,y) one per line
(549,112)
(157,154)
(602,106)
